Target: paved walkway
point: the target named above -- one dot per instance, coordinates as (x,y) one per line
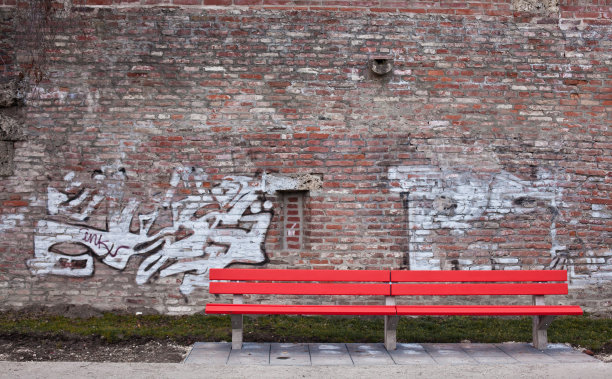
(355,354)
(338,361)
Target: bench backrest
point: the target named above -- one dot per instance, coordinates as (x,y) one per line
(491,282)
(300,282)
(387,282)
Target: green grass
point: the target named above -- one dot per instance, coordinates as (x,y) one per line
(584,331)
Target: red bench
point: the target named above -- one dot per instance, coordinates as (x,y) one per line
(390,284)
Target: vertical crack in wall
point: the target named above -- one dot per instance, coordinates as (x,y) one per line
(404,197)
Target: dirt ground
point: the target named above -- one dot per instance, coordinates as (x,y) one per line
(82,349)
(90,350)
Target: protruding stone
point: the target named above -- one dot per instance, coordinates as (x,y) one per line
(536,6)
(10,129)
(7,152)
(10,93)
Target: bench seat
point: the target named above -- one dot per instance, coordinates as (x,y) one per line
(284,309)
(399,310)
(488,310)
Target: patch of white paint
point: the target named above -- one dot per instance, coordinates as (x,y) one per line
(445,198)
(92,101)
(328,347)
(308,70)
(10,221)
(355,76)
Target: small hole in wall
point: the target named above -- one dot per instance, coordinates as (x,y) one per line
(381,65)
(293,220)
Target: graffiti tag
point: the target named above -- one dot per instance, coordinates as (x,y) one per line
(213,224)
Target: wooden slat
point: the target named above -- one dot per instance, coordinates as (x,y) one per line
(488,310)
(479,276)
(300,288)
(258,309)
(300,275)
(479,289)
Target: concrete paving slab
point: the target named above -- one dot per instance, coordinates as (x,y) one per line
(448,354)
(289,354)
(485,353)
(318,354)
(212,353)
(251,354)
(411,354)
(329,354)
(566,354)
(525,353)
(366,354)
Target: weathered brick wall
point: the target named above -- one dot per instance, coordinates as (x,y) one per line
(165,140)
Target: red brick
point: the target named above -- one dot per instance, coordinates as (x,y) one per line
(15,203)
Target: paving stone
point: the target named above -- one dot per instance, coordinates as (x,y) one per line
(289,354)
(212,353)
(329,354)
(567,354)
(369,354)
(335,354)
(448,353)
(411,353)
(525,352)
(251,354)
(486,353)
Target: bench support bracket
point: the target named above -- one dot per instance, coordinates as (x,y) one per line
(237,326)
(390,326)
(540,326)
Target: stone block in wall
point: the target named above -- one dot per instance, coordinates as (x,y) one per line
(10,129)
(10,93)
(6,158)
(536,6)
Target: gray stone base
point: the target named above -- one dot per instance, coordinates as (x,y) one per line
(356,354)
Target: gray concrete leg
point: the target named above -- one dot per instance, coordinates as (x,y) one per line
(391,332)
(540,331)
(540,326)
(237,332)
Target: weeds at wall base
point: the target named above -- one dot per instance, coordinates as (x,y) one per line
(591,333)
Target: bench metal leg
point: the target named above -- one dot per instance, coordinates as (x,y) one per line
(391,332)
(236,332)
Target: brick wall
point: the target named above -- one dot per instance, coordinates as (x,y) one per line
(166,140)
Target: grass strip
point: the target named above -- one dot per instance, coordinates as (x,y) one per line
(588,332)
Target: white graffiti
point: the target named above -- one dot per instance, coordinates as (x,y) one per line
(443,198)
(10,221)
(213,224)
